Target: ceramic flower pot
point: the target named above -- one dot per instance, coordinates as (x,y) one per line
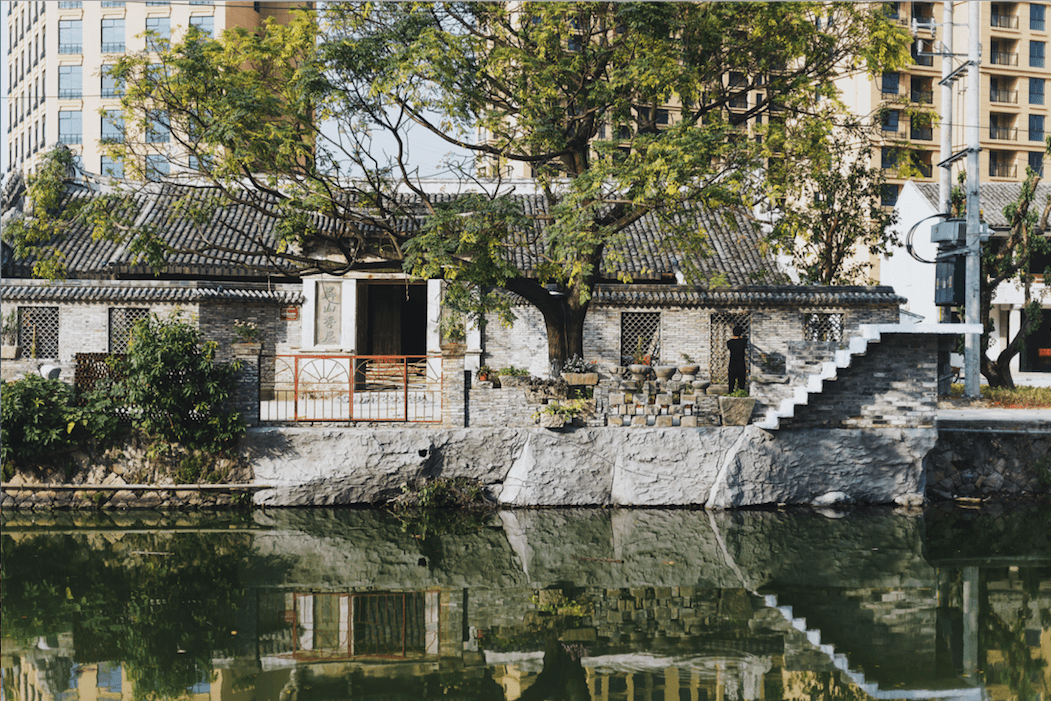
(665,372)
(639,371)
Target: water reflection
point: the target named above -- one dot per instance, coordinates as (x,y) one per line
(642,605)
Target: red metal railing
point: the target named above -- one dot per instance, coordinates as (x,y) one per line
(351,388)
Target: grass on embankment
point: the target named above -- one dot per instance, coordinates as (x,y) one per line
(1018,398)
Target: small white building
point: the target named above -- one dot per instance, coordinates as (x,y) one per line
(915,280)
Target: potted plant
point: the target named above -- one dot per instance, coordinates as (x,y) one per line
(484,373)
(9,331)
(247,338)
(736,408)
(577,371)
(453,335)
(558,414)
(640,363)
(689,367)
(513,377)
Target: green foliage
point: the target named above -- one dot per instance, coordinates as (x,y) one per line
(738,393)
(43,417)
(512,371)
(442,505)
(832,208)
(568,410)
(575,363)
(177,388)
(9,329)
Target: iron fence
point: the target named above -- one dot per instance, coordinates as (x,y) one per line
(391,388)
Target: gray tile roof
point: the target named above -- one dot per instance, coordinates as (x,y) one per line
(993,197)
(745,296)
(145,291)
(644,250)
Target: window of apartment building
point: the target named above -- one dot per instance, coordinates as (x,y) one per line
(38,331)
(202,2)
(1036,53)
(922,90)
(70,130)
(1003,52)
(157,165)
(1001,126)
(640,335)
(1036,127)
(161,28)
(113,126)
(1001,164)
(920,128)
(113,3)
(893,9)
(113,36)
(889,195)
(121,321)
(1036,91)
(111,86)
(1036,162)
(154,3)
(70,38)
(205,24)
(70,83)
(158,131)
(112,168)
(1037,13)
(1001,89)
(69,4)
(1003,16)
(888,157)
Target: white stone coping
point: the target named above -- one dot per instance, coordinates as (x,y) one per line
(875,330)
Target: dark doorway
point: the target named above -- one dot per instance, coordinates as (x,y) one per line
(395,319)
(1037,354)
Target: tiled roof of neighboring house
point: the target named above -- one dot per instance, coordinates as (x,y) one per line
(746,296)
(994,197)
(145,292)
(644,250)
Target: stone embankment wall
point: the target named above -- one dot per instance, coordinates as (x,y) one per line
(976,464)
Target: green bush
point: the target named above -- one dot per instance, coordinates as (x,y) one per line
(43,417)
(176,388)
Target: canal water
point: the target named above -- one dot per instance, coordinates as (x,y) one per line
(609,605)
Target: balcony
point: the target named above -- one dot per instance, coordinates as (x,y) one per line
(893,134)
(1003,133)
(70,48)
(70,94)
(1002,21)
(71,138)
(113,47)
(1003,96)
(1002,170)
(1003,58)
(926,97)
(926,169)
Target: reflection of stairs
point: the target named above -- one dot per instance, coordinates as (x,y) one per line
(840,662)
(814,384)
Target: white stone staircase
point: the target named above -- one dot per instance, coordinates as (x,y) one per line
(844,358)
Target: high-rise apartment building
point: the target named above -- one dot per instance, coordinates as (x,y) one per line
(55,54)
(905,107)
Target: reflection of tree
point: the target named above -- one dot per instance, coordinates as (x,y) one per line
(1019,668)
(562,679)
(164,613)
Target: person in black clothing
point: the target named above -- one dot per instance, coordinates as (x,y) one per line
(737,345)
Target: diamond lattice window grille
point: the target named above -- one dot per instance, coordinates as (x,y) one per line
(640,333)
(38,331)
(722,325)
(824,327)
(121,321)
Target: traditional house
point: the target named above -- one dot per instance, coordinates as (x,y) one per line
(365,346)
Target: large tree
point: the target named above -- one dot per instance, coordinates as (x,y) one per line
(576,91)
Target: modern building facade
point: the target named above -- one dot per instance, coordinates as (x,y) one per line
(905,107)
(56,53)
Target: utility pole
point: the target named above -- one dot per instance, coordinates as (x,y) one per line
(972,341)
(945,173)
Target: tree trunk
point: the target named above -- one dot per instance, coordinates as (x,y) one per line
(564,316)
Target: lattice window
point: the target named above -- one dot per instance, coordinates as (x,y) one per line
(121,322)
(824,327)
(722,325)
(38,331)
(640,334)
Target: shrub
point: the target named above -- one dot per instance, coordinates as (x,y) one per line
(512,371)
(42,417)
(176,387)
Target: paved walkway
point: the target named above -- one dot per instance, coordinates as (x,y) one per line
(995,420)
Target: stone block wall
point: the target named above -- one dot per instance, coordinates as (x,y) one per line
(893,384)
(276,335)
(454,392)
(496,407)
